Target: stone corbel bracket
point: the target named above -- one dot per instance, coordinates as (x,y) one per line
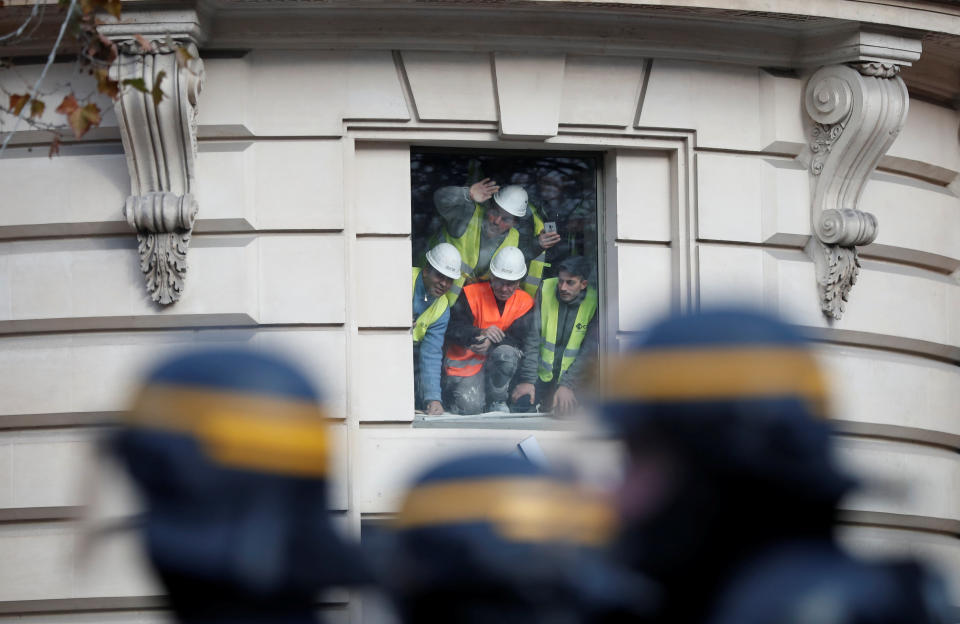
(160,143)
(856,112)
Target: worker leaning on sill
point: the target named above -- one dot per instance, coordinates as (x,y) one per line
(562,340)
(431,314)
(484,338)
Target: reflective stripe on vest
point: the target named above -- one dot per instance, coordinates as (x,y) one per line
(535,274)
(463,362)
(535,271)
(549,313)
(469,247)
(429,316)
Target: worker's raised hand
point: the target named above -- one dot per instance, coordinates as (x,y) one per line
(483,190)
(494,334)
(434,408)
(548,239)
(524,389)
(564,400)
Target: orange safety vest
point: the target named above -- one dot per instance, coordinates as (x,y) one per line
(463,362)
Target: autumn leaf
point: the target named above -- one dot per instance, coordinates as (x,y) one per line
(83,118)
(136,83)
(36,108)
(54,146)
(110,6)
(18,101)
(183,56)
(157,90)
(145,45)
(105,85)
(68,105)
(112,52)
(79,118)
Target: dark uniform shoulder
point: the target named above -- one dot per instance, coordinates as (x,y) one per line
(814,582)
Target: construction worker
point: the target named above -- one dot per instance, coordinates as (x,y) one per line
(537,226)
(495,538)
(563,338)
(478,232)
(486,331)
(230,450)
(575,216)
(564,226)
(731,488)
(431,314)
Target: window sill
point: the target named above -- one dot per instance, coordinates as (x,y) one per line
(493,420)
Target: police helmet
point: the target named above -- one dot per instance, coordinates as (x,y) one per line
(739,391)
(491,537)
(230,450)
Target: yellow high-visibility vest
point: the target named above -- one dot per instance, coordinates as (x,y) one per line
(468,245)
(549,313)
(535,271)
(429,316)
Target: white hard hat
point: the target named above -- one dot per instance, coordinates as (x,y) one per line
(513,199)
(446,259)
(509,264)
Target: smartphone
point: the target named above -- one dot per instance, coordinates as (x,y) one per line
(550,226)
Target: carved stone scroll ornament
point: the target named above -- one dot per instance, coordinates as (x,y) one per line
(856,112)
(160,143)
(164,223)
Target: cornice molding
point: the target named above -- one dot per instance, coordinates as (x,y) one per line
(854,43)
(181,24)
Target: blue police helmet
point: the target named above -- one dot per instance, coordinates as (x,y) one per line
(490,534)
(738,391)
(230,450)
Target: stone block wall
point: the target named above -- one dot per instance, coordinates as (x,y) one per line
(302,244)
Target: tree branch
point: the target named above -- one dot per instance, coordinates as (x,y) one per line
(23,26)
(43,74)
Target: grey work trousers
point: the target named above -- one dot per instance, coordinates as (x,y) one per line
(470,395)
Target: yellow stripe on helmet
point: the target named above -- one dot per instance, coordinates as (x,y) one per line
(253,432)
(527,509)
(716,374)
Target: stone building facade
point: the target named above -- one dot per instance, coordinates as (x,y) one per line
(753,152)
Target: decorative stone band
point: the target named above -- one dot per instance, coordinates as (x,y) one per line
(161,211)
(879,70)
(846,227)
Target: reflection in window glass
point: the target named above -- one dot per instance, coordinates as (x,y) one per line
(505,264)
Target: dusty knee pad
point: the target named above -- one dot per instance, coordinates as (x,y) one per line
(501,366)
(466,396)
(505,355)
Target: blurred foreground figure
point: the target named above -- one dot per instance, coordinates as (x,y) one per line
(492,538)
(730,497)
(230,451)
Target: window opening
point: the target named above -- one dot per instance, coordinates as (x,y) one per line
(506,300)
